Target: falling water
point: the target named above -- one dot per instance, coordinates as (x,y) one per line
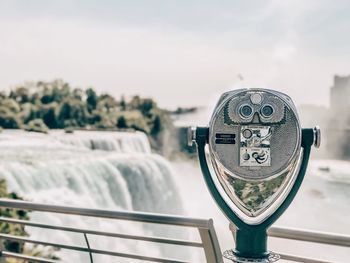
(107,170)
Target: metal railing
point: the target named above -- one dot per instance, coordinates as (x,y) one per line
(208,243)
(208,239)
(309,236)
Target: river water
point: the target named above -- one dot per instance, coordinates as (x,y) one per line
(115,170)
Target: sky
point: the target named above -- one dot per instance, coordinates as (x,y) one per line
(181,53)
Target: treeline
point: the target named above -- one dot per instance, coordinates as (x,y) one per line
(56,105)
(19,230)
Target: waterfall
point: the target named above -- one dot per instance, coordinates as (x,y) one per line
(107,170)
(122,142)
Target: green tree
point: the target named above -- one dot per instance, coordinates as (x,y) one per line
(47,96)
(78,94)
(157,125)
(20,94)
(11,105)
(91,99)
(60,106)
(134,120)
(121,122)
(71,112)
(122,103)
(18,230)
(106,103)
(8,119)
(146,106)
(6,228)
(48,115)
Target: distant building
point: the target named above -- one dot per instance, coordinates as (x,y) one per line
(338,128)
(340,94)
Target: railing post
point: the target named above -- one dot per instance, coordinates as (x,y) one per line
(2,248)
(210,244)
(88,246)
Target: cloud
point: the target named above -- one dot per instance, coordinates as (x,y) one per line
(176,66)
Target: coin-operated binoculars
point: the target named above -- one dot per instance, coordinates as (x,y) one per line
(259,155)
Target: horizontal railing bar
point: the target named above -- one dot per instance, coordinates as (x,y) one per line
(301,259)
(95,251)
(121,215)
(102,233)
(310,236)
(8,254)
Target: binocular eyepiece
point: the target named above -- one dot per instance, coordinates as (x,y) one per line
(259,153)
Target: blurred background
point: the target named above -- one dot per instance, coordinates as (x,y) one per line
(95,97)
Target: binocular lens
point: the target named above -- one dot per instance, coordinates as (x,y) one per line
(267,111)
(245,111)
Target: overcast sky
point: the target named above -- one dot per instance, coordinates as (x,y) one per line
(179,52)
